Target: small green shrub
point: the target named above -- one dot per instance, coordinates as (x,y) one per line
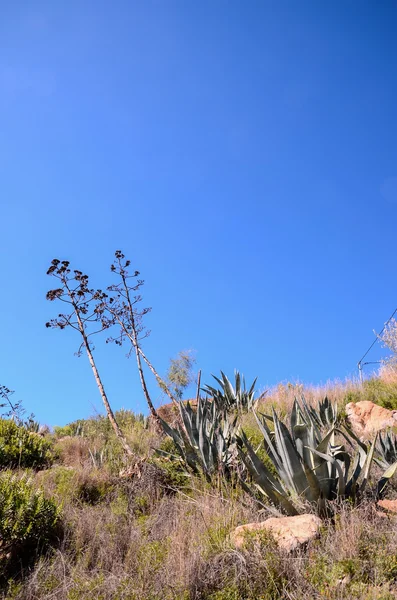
(100,426)
(28,520)
(72,485)
(22,448)
(375,390)
(174,471)
(262,577)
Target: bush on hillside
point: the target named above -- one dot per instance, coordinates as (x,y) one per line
(375,390)
(100,426)
(76,486)
(28,520)
(22,448)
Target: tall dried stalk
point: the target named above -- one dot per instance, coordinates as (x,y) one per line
(84,311)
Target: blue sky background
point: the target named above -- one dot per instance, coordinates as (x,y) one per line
(242,154)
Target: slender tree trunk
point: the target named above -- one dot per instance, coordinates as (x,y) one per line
(134,340)
(160,381)
(99,383)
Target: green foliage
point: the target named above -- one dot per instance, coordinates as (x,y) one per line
(229,398)
(262,577)
(77,486)
(386,448)
(324,415)
(28,520)
(370,564)
(207,444)
(100,426)
(180,373)
(310,469)
(22,448)
(71,429)
(94,439)
(375,390)
(257,442)
(168,460)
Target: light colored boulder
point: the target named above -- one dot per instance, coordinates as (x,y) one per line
(289,532)
(366,417)
(388,505)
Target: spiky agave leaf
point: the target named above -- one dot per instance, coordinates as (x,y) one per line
(232,398)
(206,443)
(386,449)
(308,468)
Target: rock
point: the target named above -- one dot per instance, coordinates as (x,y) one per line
(366,417)
(170,413)
(389,505)
(289,532)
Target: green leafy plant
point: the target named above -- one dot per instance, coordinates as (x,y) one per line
(28,520)
(22,448)
(180,373)
(206,444)
(310,469)
(386,448)
(231,398)
(376,390)
(324,415)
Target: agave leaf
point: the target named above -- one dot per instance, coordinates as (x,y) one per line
(337,466)
(383,481)
(173,433)
(294,415)
(252,388)
(285,504)
(303,438)
(271,449)
(238,384)
(259,471)
(229,390)
(187,421)
(353,436)
(296,476)
(315,492)
(368,464)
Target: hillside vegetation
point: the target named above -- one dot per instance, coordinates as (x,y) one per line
(80,519)
(129,507)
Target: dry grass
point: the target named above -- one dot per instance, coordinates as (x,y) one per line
(137,544)
(282,396)
(140,538)
(181,550)
(388,373)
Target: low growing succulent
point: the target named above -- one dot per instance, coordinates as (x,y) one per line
(206,444)
(310,468)
(229,398)
(324,415)
(386,448)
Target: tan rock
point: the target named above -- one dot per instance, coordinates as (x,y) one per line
(389,505)
(366,417)
(289,532)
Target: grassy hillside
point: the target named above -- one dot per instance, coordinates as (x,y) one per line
(88,523)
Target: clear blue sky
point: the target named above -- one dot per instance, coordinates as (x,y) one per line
(242,154)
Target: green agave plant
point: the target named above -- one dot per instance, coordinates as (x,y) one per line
(386,448)
(310,469)
(231,398)
(325,415)
(206,444)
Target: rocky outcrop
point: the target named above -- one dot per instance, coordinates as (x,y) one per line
(366,417)
(289,532)
(388,505)
(170,413)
